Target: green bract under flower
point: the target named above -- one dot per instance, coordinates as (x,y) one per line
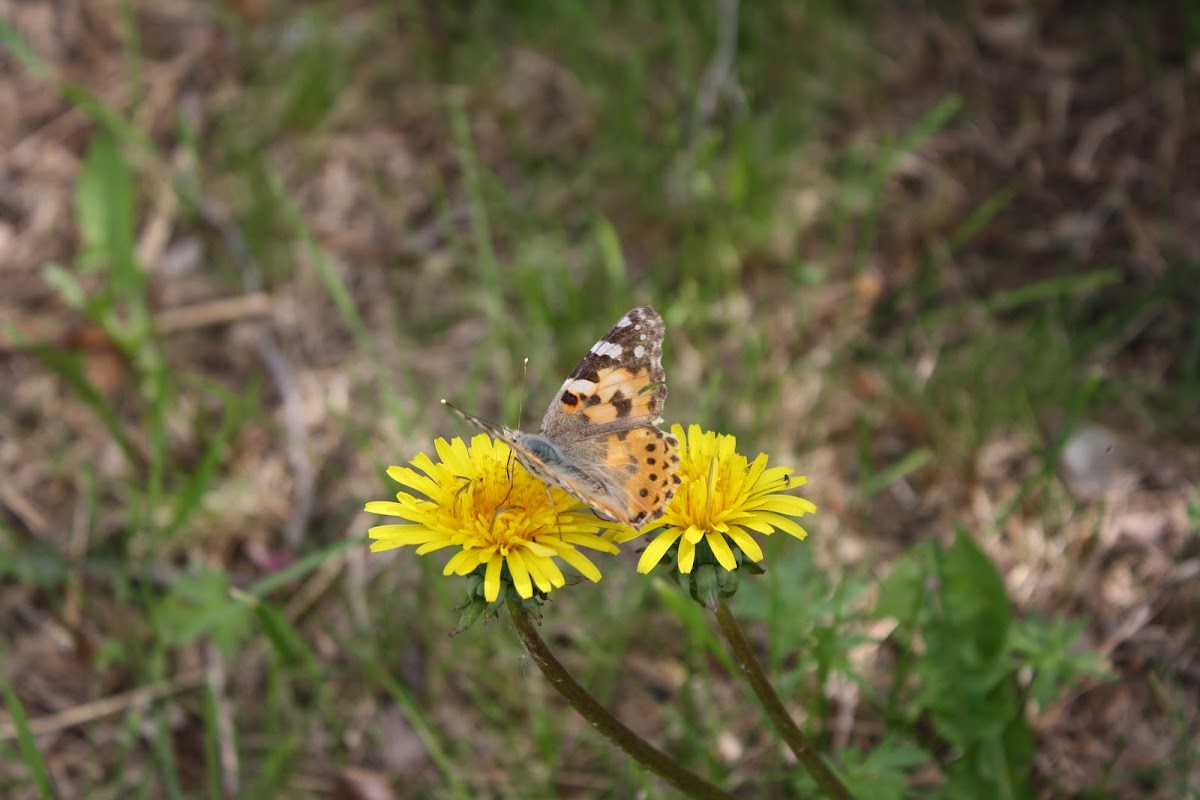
(505,522)
(722,499)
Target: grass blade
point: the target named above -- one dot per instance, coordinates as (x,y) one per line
(28,744)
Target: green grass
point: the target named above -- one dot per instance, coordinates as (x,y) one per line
(548,233)
(29,752)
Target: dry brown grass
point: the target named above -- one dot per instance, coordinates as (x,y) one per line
(1093,128)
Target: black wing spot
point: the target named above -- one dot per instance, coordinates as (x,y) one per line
(676,479)
(651,461)
(570,399)
(644,492)
(624,407)
(591,400)
(653,476)
(650,448)
(586,373)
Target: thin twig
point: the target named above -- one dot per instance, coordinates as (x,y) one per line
(115,704)
(213,312)
(23,509)
(717,78)
(303,475)
(216,676)
(716,82)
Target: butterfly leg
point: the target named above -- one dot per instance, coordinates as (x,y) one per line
(550,497)
(465,486)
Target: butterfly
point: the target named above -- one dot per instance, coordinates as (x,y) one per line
(599,439)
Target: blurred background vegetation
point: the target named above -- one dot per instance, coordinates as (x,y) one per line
(942,258)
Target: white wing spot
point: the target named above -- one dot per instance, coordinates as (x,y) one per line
(639,351)
(604,348)
(642,337)
(579,386)
(624,322)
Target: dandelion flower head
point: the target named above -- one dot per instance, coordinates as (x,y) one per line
(504,522)
(722,499)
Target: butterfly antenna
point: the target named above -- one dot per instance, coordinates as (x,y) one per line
(468,415)
(524,381)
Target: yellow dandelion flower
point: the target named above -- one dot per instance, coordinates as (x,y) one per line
(722,498)
(507,524)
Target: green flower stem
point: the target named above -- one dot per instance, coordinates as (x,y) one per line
(590,709)
(783,722)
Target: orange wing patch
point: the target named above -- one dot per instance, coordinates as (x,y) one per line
(614,393)
(648,459)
